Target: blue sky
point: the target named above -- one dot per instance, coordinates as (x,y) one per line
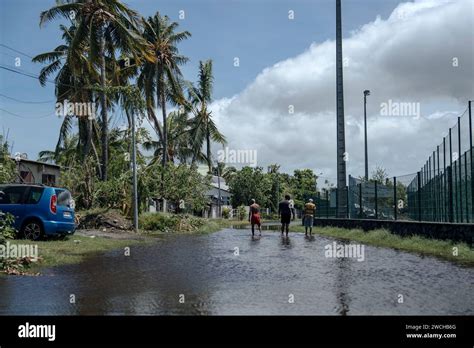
(258,32)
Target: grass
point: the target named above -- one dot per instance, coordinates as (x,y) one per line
(383,238)
(73,250)
(159,224)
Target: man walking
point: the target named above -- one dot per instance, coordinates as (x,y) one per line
(254,217)
(308,217)
(285,212)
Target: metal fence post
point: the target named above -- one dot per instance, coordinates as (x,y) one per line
(450,195)
(419,195)
(360,201)
(450,179)
(445,210)
(348,215)
(318,203)
(348,212)
(430,201)
(460,169)
(395,204)
(472,160)
(438,183)
(327,204)
(376,201)
(465,186)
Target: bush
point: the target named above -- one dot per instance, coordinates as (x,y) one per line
(170,222)
(241,212)
(6,227)
(225,212)
(7,166)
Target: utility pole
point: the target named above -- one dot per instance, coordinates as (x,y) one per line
(366,93)
(134,174)
(341,142)
(218,191)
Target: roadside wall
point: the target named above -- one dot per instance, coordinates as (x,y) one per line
(455,231)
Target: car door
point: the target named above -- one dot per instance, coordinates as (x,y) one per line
(11,201)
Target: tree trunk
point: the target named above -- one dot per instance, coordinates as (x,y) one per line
(88,144)
(165,125)
(208,143)
(103,105)
(161,97)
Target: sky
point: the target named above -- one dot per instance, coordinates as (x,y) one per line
(279,102)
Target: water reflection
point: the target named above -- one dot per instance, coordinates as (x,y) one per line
(203,275)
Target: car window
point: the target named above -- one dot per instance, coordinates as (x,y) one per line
(64,197)
(35,195)
(12,195)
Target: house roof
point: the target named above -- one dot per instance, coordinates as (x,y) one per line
(37,162)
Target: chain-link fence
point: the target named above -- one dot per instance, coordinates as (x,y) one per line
(441,191)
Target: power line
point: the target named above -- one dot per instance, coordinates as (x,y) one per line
(14,50)
(27,118)
(31,75)
(20,72)
(26,101)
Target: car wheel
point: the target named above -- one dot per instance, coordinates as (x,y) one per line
(32,230)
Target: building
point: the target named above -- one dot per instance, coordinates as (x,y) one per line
(218,185)
(34,172)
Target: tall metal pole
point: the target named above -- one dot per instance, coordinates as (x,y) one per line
(134,173)
(366,93)
(341,142)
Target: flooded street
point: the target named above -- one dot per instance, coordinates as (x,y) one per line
(269,276)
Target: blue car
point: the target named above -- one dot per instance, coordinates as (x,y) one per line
(39,211)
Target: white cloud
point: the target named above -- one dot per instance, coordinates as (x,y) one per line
(406,58)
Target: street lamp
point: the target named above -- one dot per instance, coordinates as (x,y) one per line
(366,93)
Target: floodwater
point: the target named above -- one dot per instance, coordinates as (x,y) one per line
(228,273)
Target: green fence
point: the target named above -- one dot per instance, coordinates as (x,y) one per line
(441,191)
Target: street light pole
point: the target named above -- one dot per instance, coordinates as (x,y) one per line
(366,93)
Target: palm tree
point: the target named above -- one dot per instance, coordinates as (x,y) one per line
(106,26)
(203,126)
(162,78)
(65,155)
(179,141)
(72,81)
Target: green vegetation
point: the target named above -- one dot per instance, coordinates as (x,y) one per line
(72,250)
(7,166)
(160,223)
(268,188)
(417,244)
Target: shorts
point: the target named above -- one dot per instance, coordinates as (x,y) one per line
(285,218)
(308,220)
(255,219)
